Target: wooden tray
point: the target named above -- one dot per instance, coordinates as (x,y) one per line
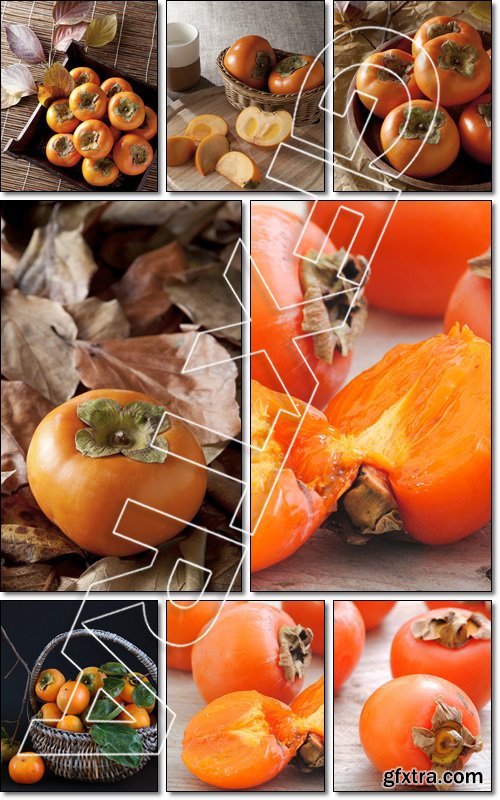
(300,171)
(31,143)
(464,175)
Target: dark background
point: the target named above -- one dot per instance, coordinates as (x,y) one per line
(30,625)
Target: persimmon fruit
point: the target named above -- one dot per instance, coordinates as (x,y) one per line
(91,458)
(374,611)
(470,301)
(310,614)
(88,101)
(100,171)
(126,111)
(209,151)
(252,646)
(204,125)
(310,707)
(132,154)
(441,26)
(50,714)
(185,620)
(61,150)
(180,149)
(93,678)
(451,643)
(149,127)
(474,127)
(295,73)
(73,697)
(419,722)
(85,75)
(239,169)
(26,768)
(135,717)
(250,59)
(112,86)
(48,684)
(93,139)
(348,640)
(60,117)
(385,80)
(451,70)
(264,128)
(480,606)
(70,722)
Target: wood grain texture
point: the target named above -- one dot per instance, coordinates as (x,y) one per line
(351,769)
(184,700)
(382,565)
(291,167)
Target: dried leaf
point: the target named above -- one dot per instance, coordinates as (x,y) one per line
(56,264)
(226,491)
(96,319)
(7,475)
(37,345)
(154,364)
(22,409)
(65,34)
(17,80)
(10,260)
(25,545)
(205,297)
(57,82)
(81,214)
(24,43)
(481,10)
(349,10)
(141,291)
(70,13)
(142,212)
(9,100)
(101,31)
(29,578)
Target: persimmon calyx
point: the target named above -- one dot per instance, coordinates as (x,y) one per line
(129,430)
(448,741)
(481,265)
(370,503)
(423,124)
(311,754)
(484,110)
(290,65)
(442,28)
(402,69)
(295,650)
(263,64)
(459,58)
(334,309)
(452,628)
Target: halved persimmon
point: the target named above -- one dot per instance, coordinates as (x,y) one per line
(310,706)
(205,124)
(264,128)
(179,150)
(406,445)
(240,169)
(209,151)
(241,740)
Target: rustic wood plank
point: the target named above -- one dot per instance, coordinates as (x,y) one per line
(351,769)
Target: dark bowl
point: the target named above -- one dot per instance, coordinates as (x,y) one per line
(31,143)
(464,175)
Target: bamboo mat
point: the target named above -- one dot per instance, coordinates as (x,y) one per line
(134,50)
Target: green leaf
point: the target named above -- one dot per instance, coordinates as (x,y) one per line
(143,697)
(113,668)
(482,10)
(104,709)
(101,31)
(114,686)
(114,738)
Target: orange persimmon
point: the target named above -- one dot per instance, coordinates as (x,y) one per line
(310,707)
(470,301)
(374,611)
(252,646)
(241,740)
(185,620)
(310,614)
(348,640)
(481,606)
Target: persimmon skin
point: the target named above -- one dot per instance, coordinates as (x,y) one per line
(184,626)
(309,614)
(468,666)
(215,750)
(241,652)
(470,304)
(387,93)
(53,680)
(474,133)
(374,611)
(390,713)
(140,717)
(117,119)
(149,127)
(422,35)
(26,768)
(481,606)
(84,75)
(50,714)
(73,697)
(348,640)
(85,496)
(274,236)
(123,154)
(454,89)
(84,113)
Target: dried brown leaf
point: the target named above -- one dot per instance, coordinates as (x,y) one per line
(9,100)
(81,214)
(18,80)
(26,545)
(65,34)
(57,82)
(141,291)
(101,31)
(154,364)
(24,43)
(123,213)
(29,578)
(57,264)
(96,319)
(22,409)
(10,260)
(7,475)
(38,345)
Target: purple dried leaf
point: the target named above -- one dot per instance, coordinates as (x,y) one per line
(24,43)
(17,80)
(65,34)
(70,13)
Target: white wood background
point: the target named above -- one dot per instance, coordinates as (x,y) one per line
(351,769)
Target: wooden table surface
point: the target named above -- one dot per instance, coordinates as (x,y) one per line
(333,565)
(185,701)
(351,769)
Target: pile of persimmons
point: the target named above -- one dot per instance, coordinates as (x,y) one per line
(439,95)
(106,124)
(426,718)
(249,662)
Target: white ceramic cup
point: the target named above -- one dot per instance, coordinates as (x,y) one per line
(183,56)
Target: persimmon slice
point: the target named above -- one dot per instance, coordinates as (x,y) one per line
(209,151)
(310,706)
(179,150)
(204,125)
(262,128)
(241,740)
(240,169)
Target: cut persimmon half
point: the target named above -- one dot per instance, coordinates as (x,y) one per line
(241,740)
(264,128)
(310,706)
(240,169)
(209,151)
(204,125)
(179,150)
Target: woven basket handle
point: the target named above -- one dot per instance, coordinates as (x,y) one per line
(106,636)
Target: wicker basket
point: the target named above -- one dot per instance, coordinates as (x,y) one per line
(241,96)
(81,763)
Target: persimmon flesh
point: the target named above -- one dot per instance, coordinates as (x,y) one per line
(414,429)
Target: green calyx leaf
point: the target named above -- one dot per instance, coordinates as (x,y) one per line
(263,64)
(461,59)
(422,124)
(484,109)
(290,65)
(128,430)
(442,28)
(403,69)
